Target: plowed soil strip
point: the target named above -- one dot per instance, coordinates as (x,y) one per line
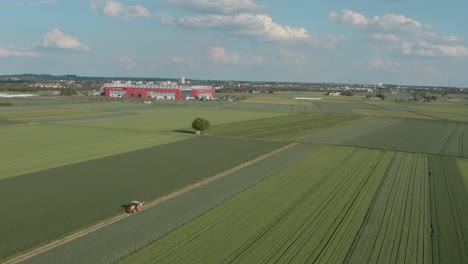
(115,219)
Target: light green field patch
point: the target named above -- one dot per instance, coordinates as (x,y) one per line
(34,147)
(171,119)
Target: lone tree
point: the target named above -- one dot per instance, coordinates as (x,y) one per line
(200,124)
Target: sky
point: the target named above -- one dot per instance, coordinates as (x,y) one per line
(414,42)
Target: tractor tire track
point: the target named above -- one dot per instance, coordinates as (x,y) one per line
(59,242)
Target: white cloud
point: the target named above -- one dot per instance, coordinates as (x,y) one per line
(116,9)
(128,63)
(390,23)
(257,26)
(349,17)
(450,38)
(18,53)
(393,31)
(426,49)
(28,3)
(57,39)
(220,7)
(219,55)
(384,65)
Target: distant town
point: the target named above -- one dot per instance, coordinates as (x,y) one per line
(96,86)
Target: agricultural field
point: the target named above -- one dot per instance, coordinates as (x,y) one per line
(360,181)
(283,127)
(435,137)
(118,240)
(81,194)
(409,135)
(67,134)
(394,208)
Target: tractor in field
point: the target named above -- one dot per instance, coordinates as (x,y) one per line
(134,207)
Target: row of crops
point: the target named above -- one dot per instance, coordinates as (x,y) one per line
(336,205)
(118,240)
(283,127)
(409,135)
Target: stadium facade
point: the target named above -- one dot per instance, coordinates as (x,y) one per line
(158,91)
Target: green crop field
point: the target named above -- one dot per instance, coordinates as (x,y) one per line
(41,140)
(394,208)
(437,137)
(283,127)
(52,202)
(369,182)
(116,241)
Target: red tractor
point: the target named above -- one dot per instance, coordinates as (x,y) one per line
(134,207)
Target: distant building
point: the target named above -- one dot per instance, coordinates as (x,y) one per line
(334,94)
(155,91)
(182,80)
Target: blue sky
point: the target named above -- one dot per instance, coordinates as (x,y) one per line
(390,41)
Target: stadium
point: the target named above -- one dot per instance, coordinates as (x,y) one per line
(173,92)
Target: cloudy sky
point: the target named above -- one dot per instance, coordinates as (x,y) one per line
(390,41)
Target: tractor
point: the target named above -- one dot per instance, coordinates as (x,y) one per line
(134,207)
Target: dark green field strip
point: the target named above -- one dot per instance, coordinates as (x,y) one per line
(306,213)
(449,211)
(51,203)
(419,136)
(283,127)
(342,134)
(118,240)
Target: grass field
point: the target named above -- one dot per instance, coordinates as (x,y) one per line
(381,211)
(53,202)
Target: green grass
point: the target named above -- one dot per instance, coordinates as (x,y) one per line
(118,240)
(284,127)
(50,203)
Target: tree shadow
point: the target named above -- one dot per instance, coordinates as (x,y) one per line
(184,131)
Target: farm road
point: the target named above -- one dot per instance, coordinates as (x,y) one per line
(65,240)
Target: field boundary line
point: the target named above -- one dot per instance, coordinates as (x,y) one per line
(62,241)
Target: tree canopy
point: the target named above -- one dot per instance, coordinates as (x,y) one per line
(200,124)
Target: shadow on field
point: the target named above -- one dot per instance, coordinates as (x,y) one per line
(184,131)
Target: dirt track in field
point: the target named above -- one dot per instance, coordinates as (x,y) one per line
(117,218)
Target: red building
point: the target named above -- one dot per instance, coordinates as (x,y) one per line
(147,91)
